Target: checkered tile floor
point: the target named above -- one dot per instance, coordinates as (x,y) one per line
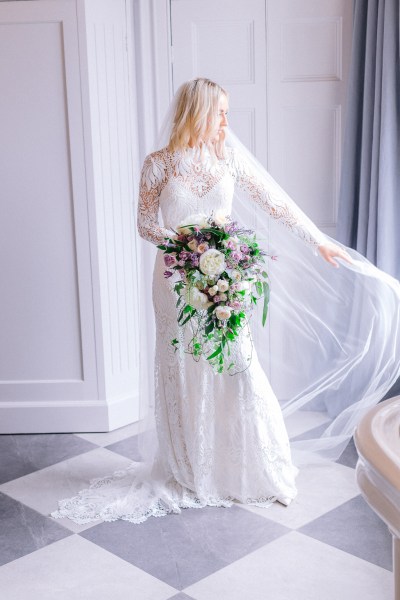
(327,544)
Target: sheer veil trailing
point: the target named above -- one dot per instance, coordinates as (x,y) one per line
(331,345)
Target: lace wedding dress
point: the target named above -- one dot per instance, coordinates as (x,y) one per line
(221,438)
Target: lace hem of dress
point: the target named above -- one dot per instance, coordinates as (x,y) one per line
(132,496)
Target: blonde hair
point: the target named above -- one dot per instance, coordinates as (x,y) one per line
(196,114)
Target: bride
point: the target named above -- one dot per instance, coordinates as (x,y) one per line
(222,438)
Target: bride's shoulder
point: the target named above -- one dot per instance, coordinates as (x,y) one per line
(157,156)
(155,168)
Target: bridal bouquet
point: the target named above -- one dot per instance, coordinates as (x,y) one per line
(220,280)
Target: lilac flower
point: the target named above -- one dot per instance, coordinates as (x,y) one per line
(231,227)
(168,274)
(195,260)
(236,256)
(231,244)
(170,260)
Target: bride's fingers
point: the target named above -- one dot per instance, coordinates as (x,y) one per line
(331,260)
(345,255)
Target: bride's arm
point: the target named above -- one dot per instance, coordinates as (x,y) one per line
(152,179)
(270,196)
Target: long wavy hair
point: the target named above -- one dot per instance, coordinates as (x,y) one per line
(196,115)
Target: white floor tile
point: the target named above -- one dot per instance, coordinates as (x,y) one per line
(77,569)
(296,567)
(304,420)
(41,490)
(111,437)
(321,488)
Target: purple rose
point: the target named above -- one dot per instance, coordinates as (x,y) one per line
(244,248)
(216,299)
(235,304)
(185,255)
(170,260)
(168,274)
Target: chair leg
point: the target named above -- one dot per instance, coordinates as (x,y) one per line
(396,567)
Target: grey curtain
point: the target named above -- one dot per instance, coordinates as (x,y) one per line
(369,204)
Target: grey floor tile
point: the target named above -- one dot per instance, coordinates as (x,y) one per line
(26,453)
(128,447)
(350,456)
(23,530)
(354,528)
(184,548)
(315,432)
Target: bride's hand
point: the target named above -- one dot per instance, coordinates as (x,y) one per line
(329,251)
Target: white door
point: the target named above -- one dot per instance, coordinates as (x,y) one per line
(285,65)
(308,49)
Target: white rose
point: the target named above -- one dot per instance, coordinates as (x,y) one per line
(223,312)
(220,219)
(212,262)
(235,275)
(200,220)
(197,299)
(222,285)
(193,245)
(243,286)
(223,297)
(213,290)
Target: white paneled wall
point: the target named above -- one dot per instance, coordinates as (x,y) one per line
(69,162)
(68,341)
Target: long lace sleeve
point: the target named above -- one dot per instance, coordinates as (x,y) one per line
(152,179)
(271,198)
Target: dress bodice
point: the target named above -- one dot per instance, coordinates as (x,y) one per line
(178,200)
(191,181)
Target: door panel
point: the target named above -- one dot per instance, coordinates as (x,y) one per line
(225,41)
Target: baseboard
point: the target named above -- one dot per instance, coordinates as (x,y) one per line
(68,416)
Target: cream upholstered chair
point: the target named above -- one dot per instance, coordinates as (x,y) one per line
(377,440)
